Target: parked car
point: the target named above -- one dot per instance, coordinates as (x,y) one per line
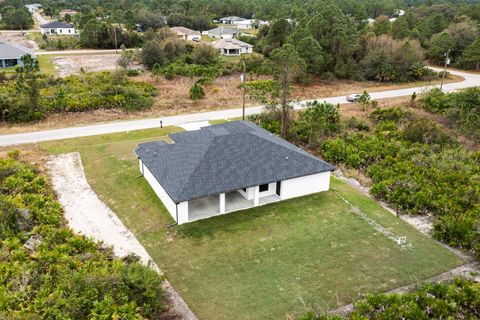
(353,97)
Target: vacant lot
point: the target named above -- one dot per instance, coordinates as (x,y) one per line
(263,263)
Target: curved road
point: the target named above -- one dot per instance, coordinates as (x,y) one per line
(471,80)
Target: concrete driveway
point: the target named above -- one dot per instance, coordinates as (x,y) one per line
(470,80)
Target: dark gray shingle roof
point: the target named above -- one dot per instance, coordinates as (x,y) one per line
(223,158)
(14,51)
(56,25)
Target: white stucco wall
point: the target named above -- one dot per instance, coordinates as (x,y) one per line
(302,186)
(59,31)
(164,197)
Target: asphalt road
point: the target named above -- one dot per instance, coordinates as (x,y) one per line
(471,80)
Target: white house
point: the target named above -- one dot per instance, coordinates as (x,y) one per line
(34,7)
(250,24)
(58,28)
(187,34)
(232,47)
(11,54)
(228,167)
(223,33)
(230,20)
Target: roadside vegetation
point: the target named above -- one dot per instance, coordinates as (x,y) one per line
(30,95)
(48,272)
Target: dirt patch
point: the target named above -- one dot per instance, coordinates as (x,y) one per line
(17,38)
(88,215)
(68,65)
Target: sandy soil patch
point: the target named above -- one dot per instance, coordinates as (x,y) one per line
(90,63)
(17,38)
(88,215)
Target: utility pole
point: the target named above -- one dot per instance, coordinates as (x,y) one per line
(244,76)
(447,61)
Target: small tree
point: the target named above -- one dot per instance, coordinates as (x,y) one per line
(196,91)
(152,53)
(365,101)
(286,66)
(204,54)
(156,70)
(472,54)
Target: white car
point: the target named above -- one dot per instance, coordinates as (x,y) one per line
(353,97)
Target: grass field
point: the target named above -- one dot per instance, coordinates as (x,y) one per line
(263,263)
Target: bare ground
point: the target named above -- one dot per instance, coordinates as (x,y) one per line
(17,38)
(67,65)
(88,215)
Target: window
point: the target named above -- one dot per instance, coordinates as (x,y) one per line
(263,187)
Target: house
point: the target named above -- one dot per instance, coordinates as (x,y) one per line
(223,33)
(58,28)
(232,47)
(230,20)
(34,7)
(70,12)
(250,24)
(186,34)
(11,54)
(228,167)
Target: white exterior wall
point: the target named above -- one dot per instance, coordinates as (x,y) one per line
(59,31)
(302,186)
(181,209)
(223,36)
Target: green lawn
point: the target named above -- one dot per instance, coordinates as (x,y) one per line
(263,263)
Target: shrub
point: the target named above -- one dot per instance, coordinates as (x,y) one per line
(425,131)
(204,55)
(394,114)
(196,91)
(152,53)
(64,276)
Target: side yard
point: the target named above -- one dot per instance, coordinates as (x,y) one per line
(264,263)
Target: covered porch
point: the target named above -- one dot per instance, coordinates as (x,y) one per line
(232,201)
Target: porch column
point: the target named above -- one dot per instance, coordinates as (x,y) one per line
(256,195)
(222,202)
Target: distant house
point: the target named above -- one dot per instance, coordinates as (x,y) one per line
(232,47)
(228,167)
(11,54)
(230,20)
(186,34)
(58,28)
(70,12)
(34,7)
(223,33)
(250,24)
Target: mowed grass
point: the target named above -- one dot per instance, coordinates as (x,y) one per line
(269,262)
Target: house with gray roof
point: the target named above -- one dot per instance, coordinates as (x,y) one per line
(11,54)
(58,28)
(223,33)
(232,47)
(230,20)
(228,167)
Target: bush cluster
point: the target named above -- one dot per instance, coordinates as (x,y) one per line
(457,300)
(48,272)
(76,93)
(461,109)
